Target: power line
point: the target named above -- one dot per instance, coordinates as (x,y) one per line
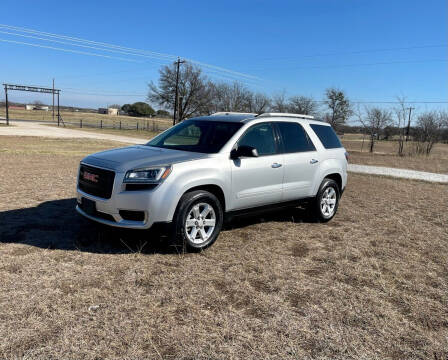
(214,71)
(74,39)
(68,50)
(390,102)
(356,52)
(365,64)
(121,49)
(79,45)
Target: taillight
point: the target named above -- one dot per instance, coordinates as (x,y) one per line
(346,156)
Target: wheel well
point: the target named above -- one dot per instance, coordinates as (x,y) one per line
(215,190)
(336,177)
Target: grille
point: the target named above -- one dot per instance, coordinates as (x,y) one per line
(95,181)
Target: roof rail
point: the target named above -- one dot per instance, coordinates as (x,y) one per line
(287,115)
(231,113)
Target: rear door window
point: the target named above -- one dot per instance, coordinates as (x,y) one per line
(295,139)
(327,136)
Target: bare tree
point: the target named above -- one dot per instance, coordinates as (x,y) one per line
(302,105)
(231,97)
(259,103)
(115,106)
(374,121)
(444,130)
(194,90)
(279,103)
(444,118)
(428,131)
(339,107)
(400,122)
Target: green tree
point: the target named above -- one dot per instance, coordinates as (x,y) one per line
(141,109)
(126,108)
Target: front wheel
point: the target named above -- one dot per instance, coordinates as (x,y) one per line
(198,220)
(326,202)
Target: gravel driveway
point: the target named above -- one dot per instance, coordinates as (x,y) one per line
(399,173)
(25,128)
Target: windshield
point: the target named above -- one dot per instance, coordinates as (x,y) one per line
(197,136)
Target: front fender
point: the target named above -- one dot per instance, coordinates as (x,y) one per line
(202,175)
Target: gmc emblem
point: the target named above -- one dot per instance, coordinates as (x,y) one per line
(90,177)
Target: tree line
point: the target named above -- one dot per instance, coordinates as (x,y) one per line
(199,95)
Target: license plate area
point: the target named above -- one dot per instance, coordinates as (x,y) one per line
(89,206)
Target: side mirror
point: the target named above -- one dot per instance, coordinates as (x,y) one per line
(243,151)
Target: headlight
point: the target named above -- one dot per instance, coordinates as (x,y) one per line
(147,175)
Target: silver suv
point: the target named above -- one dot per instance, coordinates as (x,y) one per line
(205,169)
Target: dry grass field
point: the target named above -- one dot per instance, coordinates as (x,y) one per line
(385,154)
(92,119)
(371,284)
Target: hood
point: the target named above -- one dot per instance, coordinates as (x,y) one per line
(139,156)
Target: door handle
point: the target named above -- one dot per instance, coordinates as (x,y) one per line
(276,165)
(313,161)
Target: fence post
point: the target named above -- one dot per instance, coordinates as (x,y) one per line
(137,125)
(120,124)
(80,123)
(101,123)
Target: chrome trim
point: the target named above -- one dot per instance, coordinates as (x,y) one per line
(98,167)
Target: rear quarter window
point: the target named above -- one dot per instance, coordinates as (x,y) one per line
(327,136)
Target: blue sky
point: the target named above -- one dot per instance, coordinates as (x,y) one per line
(374,50)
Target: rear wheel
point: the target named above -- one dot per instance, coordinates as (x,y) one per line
(198,220)
(326,202)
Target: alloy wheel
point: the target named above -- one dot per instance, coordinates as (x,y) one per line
(200,223)
(328,202)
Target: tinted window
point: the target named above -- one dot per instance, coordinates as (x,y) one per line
(327,136)
(261,137)
(294,137)
(196,135)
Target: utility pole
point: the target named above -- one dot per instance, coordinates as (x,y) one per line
(59,116)
(409,123)
(52,108)
(178,62)
(6,104)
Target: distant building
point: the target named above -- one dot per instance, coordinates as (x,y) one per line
(36,107)
(108,111)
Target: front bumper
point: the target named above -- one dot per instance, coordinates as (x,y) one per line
(106,209)
(153,203)
(121,223)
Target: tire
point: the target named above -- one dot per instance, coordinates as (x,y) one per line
(325,204)
(193,221)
